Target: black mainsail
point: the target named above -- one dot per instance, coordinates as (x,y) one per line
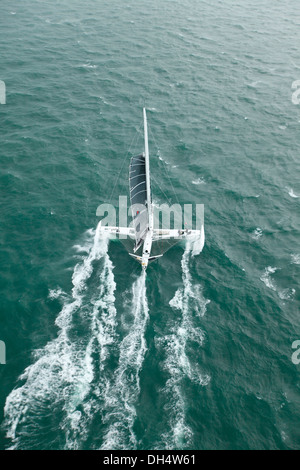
(138,197)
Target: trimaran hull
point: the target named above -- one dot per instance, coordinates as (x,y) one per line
(142,229)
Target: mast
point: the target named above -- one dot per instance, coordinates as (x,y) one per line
(147,166)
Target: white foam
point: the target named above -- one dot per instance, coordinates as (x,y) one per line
(161,158)
(266,278)
(199,181)
(63,371)
(105,101)
(56,294)
(122,393)
(295,258)
(257,233)
(190,301)
(81,248)
(89,66)
(292,194)
(103,336)
(285,294)
(180,436)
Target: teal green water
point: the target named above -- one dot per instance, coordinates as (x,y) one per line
(198,354)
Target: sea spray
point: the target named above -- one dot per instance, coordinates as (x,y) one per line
(197,244)
(58,368)
(189,300)
(122,394)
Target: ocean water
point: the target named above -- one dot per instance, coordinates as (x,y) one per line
(197,354)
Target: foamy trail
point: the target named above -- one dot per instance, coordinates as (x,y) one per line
(81,408)
(122,394)
(59,367)
(190,301)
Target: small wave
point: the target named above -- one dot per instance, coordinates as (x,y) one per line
(295,258)
(266,278)
(176,84)
(253,84)
(296,66)
(257,233)
(161,158)
(199,181)
(291,193)
(287,294)
(56,294)
(105,101)
(239,26)
(81,248)
(89,66)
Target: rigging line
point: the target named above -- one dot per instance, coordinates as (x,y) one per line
(137,134)
(172,186)
(125,158)
(168,199)
(165,167)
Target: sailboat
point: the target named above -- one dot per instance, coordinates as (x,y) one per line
(142,229)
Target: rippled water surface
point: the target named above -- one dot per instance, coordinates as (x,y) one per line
(197,353)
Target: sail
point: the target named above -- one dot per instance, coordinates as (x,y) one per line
(138,196)
(154,241)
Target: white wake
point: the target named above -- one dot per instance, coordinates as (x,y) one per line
(61,375)
(122,393)
(190,302)
(71,385)
(81,408)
